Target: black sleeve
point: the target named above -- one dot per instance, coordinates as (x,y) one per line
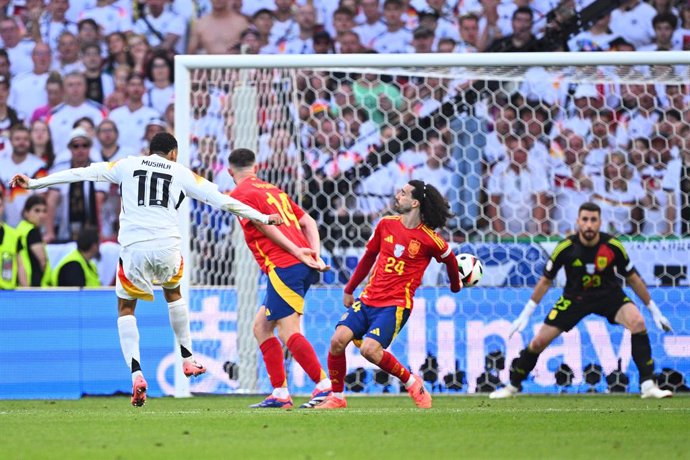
(71,275)
(555,262)
(624,265)
(34,237)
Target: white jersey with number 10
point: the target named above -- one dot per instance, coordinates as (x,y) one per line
(152,189)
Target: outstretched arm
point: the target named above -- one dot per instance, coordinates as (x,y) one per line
(642,292)
(540,289)
(97,172)
(207,192)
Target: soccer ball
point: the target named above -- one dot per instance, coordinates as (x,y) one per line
(471,269)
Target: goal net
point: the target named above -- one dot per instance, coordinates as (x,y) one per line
(516,142)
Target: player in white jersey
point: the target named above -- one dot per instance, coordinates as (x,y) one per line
(152,188)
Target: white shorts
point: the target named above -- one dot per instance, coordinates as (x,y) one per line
(139,270)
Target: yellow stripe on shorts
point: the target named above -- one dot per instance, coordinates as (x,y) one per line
(293,299)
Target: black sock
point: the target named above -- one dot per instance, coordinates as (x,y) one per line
(135,366)
(522,366)
(185,353)
(642,355)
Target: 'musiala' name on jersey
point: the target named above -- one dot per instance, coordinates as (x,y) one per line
(155,164)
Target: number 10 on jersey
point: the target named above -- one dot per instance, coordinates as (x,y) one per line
(156,179)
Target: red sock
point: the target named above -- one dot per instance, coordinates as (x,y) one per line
(393,367)
(337,368)
(272,351)
(304,354)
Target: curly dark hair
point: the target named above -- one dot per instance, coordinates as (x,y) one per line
(433,207)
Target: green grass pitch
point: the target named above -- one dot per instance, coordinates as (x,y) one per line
(458,427)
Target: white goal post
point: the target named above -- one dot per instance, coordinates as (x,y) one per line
(245,134)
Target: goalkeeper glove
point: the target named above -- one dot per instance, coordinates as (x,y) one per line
(521,322)
(660,320)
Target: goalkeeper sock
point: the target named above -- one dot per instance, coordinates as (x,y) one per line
(272,351)
(391,365)
(179,321)
(305,355)
(129,342)
(337,368)
(522,366)
(642,355)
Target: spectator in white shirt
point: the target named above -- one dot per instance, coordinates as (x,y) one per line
(284,25)
(62,118)
(109,17)
(518,192)
(19,49)
(68,55)
(53,23)
(619,192)
(28,90)
(131,118)
(396,38)
(597,38)
(343,21)
(681,36)
(437,169)
(373,25)
(262,23)
(664,25)
(572,181)
(159,74)
(633,21)
(303,42)
(162,28)
(468,26)
(643,113)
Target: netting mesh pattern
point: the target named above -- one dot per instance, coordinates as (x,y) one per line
(514,150)
(515,154)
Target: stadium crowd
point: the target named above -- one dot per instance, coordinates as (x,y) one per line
(92,80)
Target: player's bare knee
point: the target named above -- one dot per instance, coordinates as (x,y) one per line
(371,350)
(637,325)
(338,345)
(172,295)
(125,307)
(538,344)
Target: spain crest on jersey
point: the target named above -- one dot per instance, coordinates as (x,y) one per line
(398,250)
(602,262)
(413,248)
(604,257)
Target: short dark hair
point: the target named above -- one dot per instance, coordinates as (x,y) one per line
(88,21)
(90,45)
(589,206)
(242,158)
(668,18)
(18,127)
(88,236)
(33,200)
(159,54)
(162,144)
(524,10)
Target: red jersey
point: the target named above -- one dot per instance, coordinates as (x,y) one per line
(269,199)
(403,255)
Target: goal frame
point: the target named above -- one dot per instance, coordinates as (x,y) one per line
(186,63)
